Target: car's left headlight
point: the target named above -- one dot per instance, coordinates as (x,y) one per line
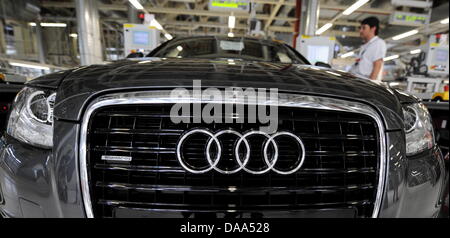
(31,118)
(418,128)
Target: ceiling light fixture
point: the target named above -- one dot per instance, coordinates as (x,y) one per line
(230,34)
(156,24)
(324,28)
(391,57)
(348,54)
(74,35)
(29,66)
(46,24)
(445,21)
(355,6)
(404,35)
(136,4)
(49,24)
(416,51)
(231,21)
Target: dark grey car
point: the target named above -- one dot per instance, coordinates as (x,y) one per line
(99,141)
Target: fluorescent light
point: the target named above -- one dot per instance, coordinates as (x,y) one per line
(347,54)
(391,57)
(179,48)
(445,21)
(49,24)
(355,6)
(156,24)
(393,84)
(413,52)
(136,4)
(404,35)
(53,24)
(168,36)
(230,34)
(231,21)
(29,66)
(324,28)
(74,35)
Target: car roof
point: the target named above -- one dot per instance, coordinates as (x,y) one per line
(262,40)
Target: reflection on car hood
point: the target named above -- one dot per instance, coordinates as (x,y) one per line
(85,82)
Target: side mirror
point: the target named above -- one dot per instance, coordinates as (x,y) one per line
(322,64)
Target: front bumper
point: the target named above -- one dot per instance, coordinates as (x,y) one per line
(44,183)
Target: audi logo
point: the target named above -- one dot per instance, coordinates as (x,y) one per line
(270,158)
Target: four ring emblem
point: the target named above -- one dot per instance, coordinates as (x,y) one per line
(270,158)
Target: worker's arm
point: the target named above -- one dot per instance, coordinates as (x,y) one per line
(376,69)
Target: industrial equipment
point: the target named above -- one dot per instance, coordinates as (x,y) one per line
(140,38)
(436,50)
(424,87)
(317,48)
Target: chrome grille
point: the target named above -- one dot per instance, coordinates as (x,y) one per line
(342,167)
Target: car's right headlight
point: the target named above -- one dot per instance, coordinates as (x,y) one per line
(418,128)
(31,118)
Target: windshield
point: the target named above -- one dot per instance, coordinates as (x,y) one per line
(236,48)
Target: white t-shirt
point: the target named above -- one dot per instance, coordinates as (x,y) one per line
(370,52)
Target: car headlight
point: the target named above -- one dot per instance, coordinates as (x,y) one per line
(31,118)
(418,128)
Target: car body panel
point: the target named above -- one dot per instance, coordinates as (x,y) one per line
(413,185)
(49,180)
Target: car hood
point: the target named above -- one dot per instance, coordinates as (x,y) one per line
(84,83)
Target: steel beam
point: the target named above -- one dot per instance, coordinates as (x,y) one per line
(179,11)
(132,14)
(40,42)
(281,29)
(374,11)
(273,14)
(342,33)
(213,13)
(310,19)
(201,24)
(89,37)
